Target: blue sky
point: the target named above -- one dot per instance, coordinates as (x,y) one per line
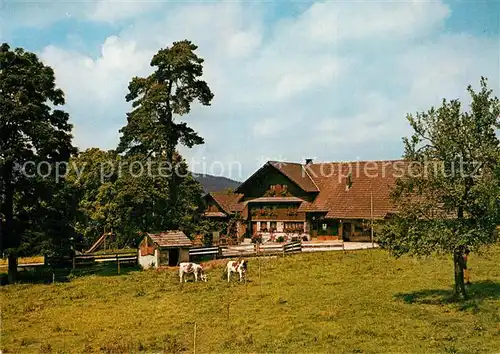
(327,80)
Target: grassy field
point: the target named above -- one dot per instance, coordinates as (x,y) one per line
(359,302)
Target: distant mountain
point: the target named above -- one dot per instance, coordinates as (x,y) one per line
(215,183)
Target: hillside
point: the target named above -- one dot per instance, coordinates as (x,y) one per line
(359,302)
(215,183)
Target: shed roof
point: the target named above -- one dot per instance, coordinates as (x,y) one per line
(171,238)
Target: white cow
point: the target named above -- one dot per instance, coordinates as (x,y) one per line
(240,267)
(191,268)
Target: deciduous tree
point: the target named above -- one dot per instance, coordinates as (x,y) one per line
(448,199)
(115,196)
(31,131)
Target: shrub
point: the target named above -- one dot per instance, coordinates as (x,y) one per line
(280,239)
(208,239)
(257,238)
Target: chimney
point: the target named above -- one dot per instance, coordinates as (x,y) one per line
(309,161)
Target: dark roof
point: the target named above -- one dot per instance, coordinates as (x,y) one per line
(293,171)
(171,238)
(228,201)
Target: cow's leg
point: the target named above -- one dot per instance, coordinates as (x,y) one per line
(241,275)
(228,275)
(195,276)
(181,273)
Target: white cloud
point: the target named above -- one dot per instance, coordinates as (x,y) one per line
(268,127)
(333,22)
(115,10)
(447,65)
(244,43)
(303,75)
(98,79)
(334,82)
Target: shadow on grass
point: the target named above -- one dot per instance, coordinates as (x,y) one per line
(476,291)
(46,275)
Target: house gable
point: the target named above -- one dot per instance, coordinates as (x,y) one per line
(213,208)
(147,246)
(271,181)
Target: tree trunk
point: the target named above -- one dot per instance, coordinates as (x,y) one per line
(459,263)
(172,184)
(12,276)
(8,239)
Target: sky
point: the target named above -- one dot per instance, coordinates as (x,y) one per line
(331,80)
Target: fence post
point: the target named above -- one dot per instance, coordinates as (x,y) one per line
(194,339)
(118,263)
(74,262)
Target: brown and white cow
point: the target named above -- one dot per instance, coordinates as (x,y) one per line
(239,266)
(191,268)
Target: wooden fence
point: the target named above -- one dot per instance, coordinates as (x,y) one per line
(236,251)
(204,251)
(89,259)
(292,247)
(245,250)
(257,249)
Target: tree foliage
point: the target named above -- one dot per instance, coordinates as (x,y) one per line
(448,201)
(31,131)
(115,195)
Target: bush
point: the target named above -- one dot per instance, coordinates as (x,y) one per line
(280,239)
(257,238)
(208,239)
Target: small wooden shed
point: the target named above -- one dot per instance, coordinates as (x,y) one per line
(167,248)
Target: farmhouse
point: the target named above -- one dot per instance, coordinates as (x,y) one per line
(162,249)
(323,201)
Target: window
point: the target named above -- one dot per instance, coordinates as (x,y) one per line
(263,226)
(293,226)
(362,228)
(273,226)
(331,229)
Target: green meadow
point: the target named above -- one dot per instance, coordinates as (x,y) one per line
(358,302)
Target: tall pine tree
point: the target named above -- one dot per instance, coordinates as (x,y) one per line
(158,101)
